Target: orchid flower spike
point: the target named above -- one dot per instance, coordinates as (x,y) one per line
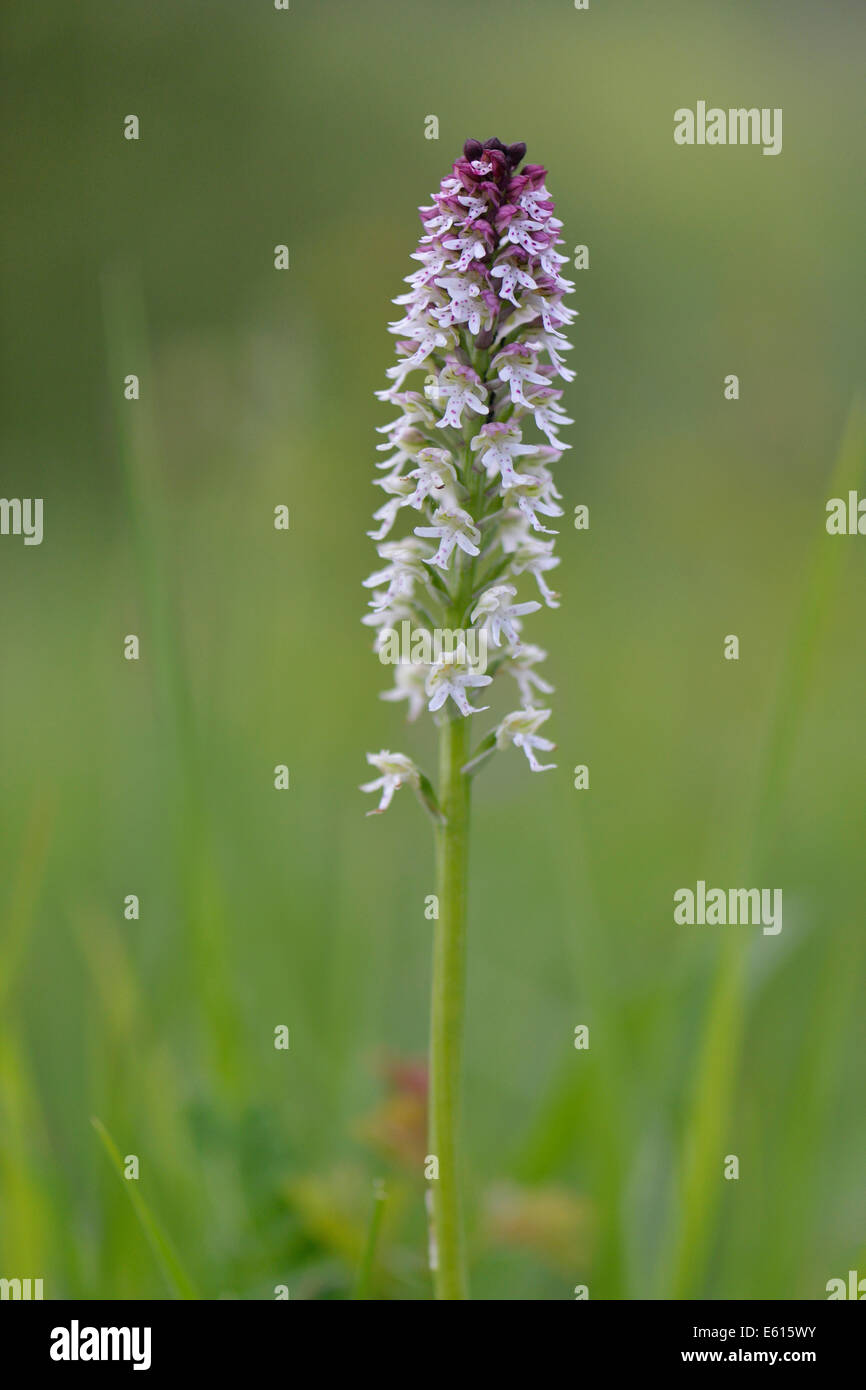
(463,533)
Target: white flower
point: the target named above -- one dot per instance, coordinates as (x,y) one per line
(517,364)
(499,445)
(386,515)
(550,261)
(416,410)
(512,529)
(462,388)
(535,557)
(534,497)
(400,574)
(536,202)
(551,313)
(548,416)
(475,207)
(399,489)
(519,665)
(452,675)
(467,304)
(409,684)
(518,233)
(450,528)
(432,264)
(430,337)
(471,245)
(396,769)
(388,616)
(554,343)
(520,728)
(498,612)
(407,444)
(435,477)
(512,275)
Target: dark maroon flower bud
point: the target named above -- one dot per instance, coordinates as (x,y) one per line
(535,174)
(472,149)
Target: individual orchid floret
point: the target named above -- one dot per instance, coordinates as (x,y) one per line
(385,618)
(452,675)
(512,273)
(512,529)
(543,402)
(497,445)
(416,411)
(407,444)
(535,557)
(517,364)
(429,339)
(410,682)
(520,664)
(497,613)
(520,728)
(469,301)
(395,769)
(518,229)
(534,498)
(553,314)
(462,388)
(386,515)
(474,243)
(401,573)
(553,344)
(451,528)
(400,490)
(435,477)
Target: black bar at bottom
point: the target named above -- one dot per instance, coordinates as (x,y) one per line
(234,1337)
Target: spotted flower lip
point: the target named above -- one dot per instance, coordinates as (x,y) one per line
(451,528)
(466,463)
(462,388)
(516,364)
(499,444)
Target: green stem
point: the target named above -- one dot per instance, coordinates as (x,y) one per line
(365,1271)
(446,1016)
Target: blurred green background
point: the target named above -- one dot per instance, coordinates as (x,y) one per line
(261,908)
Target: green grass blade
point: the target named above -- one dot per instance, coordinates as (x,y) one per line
(719,1058)
(365,1269)
(173,1271)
